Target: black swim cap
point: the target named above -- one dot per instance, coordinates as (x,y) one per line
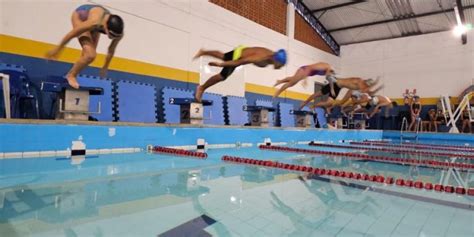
(115,25)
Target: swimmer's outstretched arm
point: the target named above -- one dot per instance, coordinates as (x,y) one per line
(331,85)
(90,24)
(347,96)
(348,103)
(110,55)
(359,102)
(372,93)
(310,98)
(290,81)
(238,62)
(380,105)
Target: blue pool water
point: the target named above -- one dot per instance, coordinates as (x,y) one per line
(142,194)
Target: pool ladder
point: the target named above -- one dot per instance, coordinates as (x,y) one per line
(405,128)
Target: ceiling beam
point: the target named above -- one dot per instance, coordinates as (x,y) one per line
(337,6)
(387,38)
(463,20)
(396,19)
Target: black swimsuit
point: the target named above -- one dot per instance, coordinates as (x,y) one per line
(326,90)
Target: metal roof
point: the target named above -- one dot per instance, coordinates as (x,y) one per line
(354,21)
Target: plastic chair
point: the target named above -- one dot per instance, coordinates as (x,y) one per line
(20,93)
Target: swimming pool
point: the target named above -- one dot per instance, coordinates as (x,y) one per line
(148,194)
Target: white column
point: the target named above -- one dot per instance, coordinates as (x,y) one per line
(6,94)
(290,21)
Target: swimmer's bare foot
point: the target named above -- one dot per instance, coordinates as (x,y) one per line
(72,81)
(198,54)
(198,94)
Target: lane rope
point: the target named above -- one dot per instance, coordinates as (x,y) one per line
(179,152)
(429,163)
(380,179)
(398,149)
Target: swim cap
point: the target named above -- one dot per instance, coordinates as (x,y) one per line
(280,56)
(331,78)
(374,101)
(370,82)
(356,94)
(115,25)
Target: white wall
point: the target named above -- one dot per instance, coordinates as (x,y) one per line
(168,33)
(434,64)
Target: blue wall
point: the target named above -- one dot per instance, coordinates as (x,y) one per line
(39,69)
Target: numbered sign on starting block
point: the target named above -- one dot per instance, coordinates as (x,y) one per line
(360,121)
(73,103)
(302,118)
(258,115)
(191,111)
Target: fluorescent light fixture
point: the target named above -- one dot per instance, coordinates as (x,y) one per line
(458,17)
(459,30)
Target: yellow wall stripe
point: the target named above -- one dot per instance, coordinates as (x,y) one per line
(427,100)
(266,90)
(36,49)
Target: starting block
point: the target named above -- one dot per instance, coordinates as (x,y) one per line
(73,103)
(321,117)
(258,114)
(358,121)
(191,111)
(303,118)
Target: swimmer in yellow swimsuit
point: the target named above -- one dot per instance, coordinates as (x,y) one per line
(258,56)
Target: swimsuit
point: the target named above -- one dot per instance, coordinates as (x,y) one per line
(235,54)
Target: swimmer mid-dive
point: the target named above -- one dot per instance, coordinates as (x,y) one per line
(258,56)
(331,102)
(321,69)
(333,88)
(363,102)
(88,22)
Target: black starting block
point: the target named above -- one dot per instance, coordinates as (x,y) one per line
(73,103)
(302,118)
(258,114)
(358,121)
(191,111)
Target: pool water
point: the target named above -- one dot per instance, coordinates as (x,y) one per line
(142,194)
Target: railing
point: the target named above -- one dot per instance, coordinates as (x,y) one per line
(405,127)
(6,94)
(452,118)
(418,125)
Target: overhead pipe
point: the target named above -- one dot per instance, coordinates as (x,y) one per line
(412,13)
(406,14)
(391,7)
(398,9)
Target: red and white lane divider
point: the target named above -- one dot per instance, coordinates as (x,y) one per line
(418,146)
(179,152)
(352,175)
(398,149)
(431,163)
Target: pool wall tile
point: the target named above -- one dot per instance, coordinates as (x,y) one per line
(44,137)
